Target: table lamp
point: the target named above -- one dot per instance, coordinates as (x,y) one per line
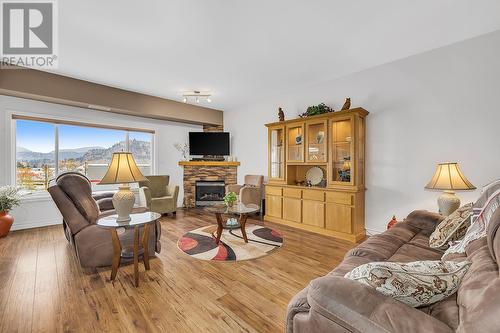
(449,178)
(123,170)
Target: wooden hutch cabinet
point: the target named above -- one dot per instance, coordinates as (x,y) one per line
(334,143)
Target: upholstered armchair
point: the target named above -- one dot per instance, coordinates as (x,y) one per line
(251,191)
(72,194)
(158,195)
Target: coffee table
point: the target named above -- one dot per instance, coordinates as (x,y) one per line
(139,249)
(237,209)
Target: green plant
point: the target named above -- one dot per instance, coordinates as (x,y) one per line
(9,197)
(316,109)
(230,198)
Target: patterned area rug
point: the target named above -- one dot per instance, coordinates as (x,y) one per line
(200,243)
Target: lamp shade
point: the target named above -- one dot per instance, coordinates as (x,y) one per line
(122,170)
(448,177)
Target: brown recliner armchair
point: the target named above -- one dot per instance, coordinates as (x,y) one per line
(251,191)
(72,193)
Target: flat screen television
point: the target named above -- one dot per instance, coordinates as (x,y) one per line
(208,143)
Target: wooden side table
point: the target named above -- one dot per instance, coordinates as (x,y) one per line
(138,248)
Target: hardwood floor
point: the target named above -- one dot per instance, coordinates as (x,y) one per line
(43,288)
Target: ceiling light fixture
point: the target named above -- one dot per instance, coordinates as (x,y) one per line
(197,96)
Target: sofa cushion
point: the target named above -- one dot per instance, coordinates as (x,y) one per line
(445,311)
(452,228)
(414,252)
(482,211)
(418,283)
(478,301)
(352,307)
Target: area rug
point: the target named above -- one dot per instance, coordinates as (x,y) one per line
(200,243)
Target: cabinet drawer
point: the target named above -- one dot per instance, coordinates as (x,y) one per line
(313,213)
(292,193)
(314,195)
(271,190)
(292,209)
(339,198)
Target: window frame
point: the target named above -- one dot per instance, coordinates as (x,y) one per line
(11,141)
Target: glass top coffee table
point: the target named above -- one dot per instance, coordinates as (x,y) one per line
(237,209)
(136,220)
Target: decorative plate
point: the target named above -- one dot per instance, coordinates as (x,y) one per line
(298,139)
(320,137)
(314,175)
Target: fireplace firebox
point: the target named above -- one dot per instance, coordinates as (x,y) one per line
(209,192)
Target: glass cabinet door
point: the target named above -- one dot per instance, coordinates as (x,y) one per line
(276,155)
(295,143)
(316,141)
(342,149)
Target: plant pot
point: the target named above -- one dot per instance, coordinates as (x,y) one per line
(5,223)
(230,204)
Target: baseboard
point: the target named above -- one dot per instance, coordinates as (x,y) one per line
(35,224)
(371,232)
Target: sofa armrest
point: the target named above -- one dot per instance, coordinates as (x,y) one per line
(359,308)
(424,219)
(173,190)
(296,305)
(145,197)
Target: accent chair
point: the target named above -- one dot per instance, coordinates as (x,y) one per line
(251,192)
(158,195)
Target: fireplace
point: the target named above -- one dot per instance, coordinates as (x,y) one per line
(209,192)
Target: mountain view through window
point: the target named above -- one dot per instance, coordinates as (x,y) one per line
(88,150)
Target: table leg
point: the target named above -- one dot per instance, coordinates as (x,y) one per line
(136,255)
(219,227)
(243,221)
(117,251)
(145,245)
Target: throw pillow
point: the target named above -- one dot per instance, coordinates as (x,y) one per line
(452,228)
(418,283)
(482,211)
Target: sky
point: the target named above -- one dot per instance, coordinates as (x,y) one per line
(40,136)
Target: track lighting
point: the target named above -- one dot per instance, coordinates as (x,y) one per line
(197,96)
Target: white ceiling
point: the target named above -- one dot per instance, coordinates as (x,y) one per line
(243,50)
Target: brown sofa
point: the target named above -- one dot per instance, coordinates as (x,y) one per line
(72,193)
(334,304)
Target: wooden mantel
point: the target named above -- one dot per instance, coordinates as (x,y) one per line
(210,163)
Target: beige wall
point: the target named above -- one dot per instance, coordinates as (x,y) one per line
(48,87)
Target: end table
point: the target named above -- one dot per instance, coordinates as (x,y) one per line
(138,249)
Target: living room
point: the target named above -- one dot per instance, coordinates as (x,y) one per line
(249,166)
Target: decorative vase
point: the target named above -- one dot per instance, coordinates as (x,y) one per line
(5,223)
(230,204)
(392,222)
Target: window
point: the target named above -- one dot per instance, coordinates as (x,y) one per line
(35,160)
(140,147)
(45,149)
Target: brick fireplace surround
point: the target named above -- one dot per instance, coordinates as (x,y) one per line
(206,170)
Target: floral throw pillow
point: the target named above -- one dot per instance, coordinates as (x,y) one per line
(418,283)
(452,228)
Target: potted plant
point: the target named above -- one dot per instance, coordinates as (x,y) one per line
(9,198)
(230,198)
